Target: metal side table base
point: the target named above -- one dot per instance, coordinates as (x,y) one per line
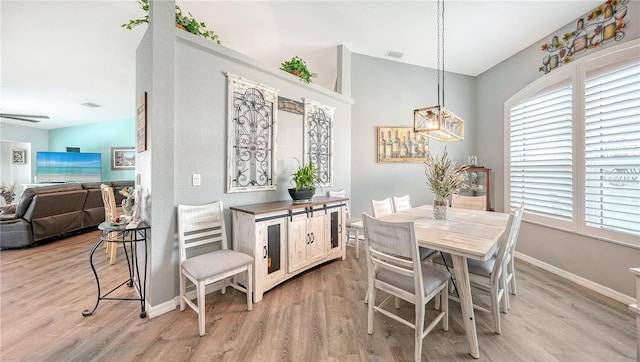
(130,237)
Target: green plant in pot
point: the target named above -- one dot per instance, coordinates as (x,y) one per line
(297,67)
(184,22)
(305,179)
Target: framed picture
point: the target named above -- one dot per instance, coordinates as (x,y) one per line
(401,144)
(123,158)
(141,123)
(19,157)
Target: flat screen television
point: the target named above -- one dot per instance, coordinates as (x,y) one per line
(68,167)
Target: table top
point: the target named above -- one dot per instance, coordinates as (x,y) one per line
(470,233)
(268,207)
(108,226)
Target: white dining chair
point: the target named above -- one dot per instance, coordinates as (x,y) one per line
(200,229)
(394,267)
(352,233)
(112,240)
(401,203)
(489,275)
(469,202)
(382,207)
(510,268)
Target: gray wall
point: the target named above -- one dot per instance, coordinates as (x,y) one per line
(187,130)
(595,260)
(385,94)
(39,139)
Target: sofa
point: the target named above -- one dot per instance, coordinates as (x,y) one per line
(47,212)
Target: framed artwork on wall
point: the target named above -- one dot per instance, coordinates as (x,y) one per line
(123,158)
(318,140)
(141,123)
(251,134)
(401,144)
(18,157)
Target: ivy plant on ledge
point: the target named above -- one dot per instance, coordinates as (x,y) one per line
(297,67)
(184,22)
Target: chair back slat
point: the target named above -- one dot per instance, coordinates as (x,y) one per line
(469,202)
(201,225)
(340,193)
(401,203)
(109,201)
(382,207)
(503,247)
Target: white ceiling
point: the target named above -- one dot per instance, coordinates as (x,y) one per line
(59,54)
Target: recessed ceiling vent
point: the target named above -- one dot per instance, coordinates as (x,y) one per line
(392,54)
(90,105)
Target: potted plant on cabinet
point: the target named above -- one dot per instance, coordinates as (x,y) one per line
(297,67)
(183,22)
(305,179)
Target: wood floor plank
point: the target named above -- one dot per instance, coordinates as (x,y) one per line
(316,316)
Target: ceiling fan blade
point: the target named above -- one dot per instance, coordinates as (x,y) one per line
(23,117)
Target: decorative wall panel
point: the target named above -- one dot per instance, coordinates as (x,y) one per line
(251,148)
(318,139)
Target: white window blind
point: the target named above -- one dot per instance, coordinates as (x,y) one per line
(612,148)
(541,154)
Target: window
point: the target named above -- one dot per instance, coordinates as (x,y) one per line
(612,148)
(541,159)
(573,139)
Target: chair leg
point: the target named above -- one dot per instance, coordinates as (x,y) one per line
(249,287)
(183,290)
(505,295)
(444,302)
(495,308)
(419,329)
(201,301)
(512,272)
(371,297)
(357,240)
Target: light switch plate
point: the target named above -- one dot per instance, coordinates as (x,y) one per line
(195,181)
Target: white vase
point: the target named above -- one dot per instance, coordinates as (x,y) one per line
(440,209)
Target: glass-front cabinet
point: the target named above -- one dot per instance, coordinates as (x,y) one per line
(478,183)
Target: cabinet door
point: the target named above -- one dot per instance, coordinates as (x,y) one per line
(298,240)
(334,231)
(317,247)
(271,236)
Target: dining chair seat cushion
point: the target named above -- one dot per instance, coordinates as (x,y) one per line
(211,264)
(432,278)
(426,252)
(478,267)
(352,220)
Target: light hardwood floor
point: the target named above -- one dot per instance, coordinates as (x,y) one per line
(317,316)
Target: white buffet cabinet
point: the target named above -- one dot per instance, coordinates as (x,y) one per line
(287,238)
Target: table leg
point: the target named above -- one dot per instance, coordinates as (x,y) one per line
(461,272)
(86,312)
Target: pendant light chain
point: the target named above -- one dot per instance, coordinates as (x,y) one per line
(438,45)
(442,52)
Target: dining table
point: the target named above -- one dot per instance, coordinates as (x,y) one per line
(465,234)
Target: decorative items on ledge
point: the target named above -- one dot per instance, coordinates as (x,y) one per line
(443,178)
(297,67)
(437,122)
(183,22)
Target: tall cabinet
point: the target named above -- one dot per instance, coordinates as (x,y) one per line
(478,183)
(286,238)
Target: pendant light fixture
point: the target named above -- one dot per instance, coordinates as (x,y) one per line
(437,122)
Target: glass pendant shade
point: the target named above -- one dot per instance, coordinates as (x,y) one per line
(438,123)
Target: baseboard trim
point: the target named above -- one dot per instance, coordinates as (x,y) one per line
(173,304)
(598,288)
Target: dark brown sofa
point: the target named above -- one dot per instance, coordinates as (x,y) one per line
(50,211)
